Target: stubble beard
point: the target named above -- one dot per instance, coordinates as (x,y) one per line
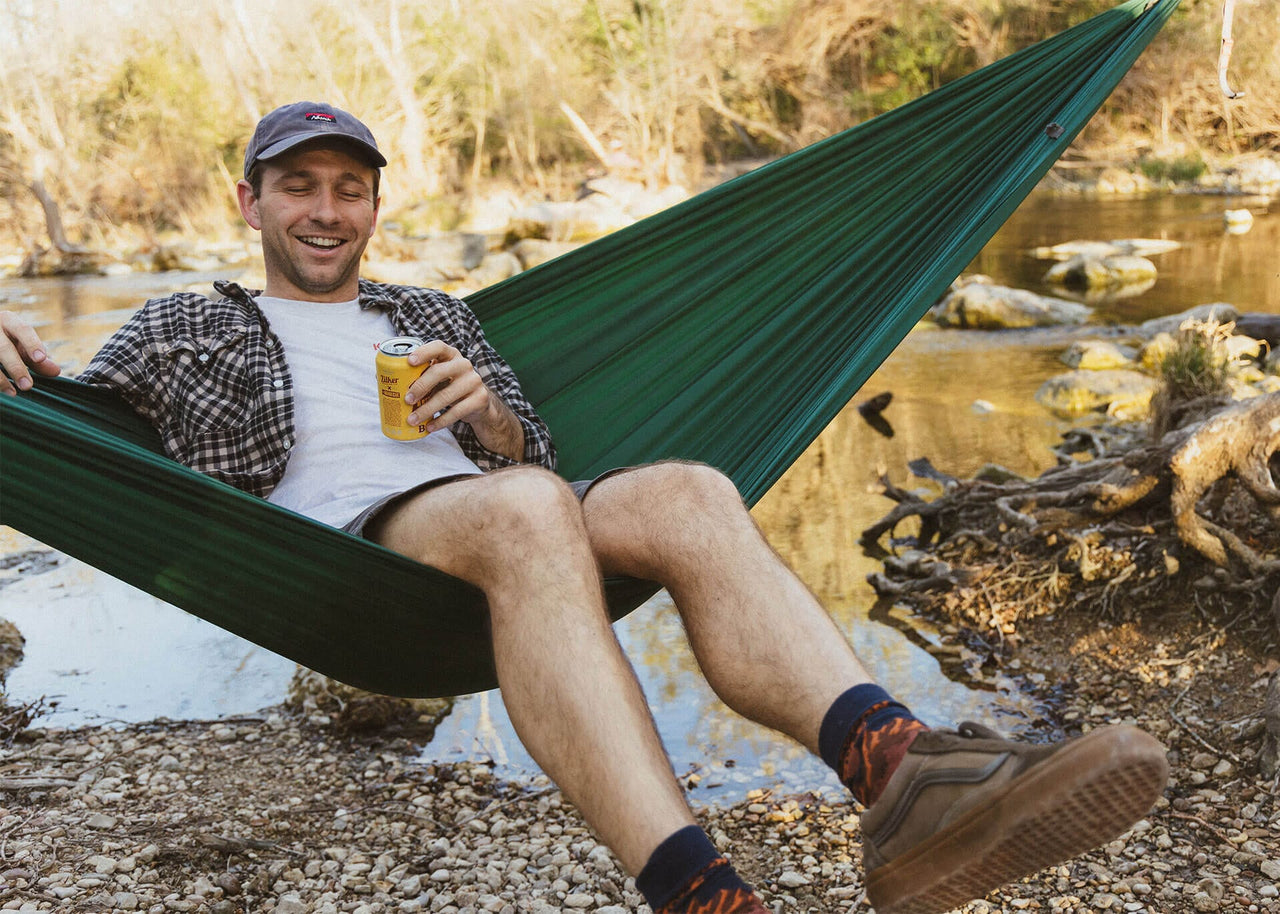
(315,283)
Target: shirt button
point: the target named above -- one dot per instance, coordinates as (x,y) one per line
(277,383)
(204,357)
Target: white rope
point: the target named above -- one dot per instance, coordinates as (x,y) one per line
(1224,54)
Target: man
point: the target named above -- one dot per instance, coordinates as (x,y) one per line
(948,816)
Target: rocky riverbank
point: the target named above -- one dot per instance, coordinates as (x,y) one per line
(275,813)
(499,233)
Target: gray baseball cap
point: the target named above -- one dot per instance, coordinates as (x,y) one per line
(290,125)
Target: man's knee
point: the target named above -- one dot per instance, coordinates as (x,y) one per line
(527,501)
(659,496)
(685,484)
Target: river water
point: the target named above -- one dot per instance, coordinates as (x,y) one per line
(102,651)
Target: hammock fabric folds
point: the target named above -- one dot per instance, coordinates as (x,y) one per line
(730,329)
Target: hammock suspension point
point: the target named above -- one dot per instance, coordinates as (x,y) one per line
(1224,53)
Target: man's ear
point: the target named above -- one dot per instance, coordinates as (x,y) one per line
(248,201)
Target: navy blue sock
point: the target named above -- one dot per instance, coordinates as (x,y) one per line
(841,717)
(864,736)
(686,873)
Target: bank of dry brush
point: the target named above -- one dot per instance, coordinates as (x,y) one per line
(133,114)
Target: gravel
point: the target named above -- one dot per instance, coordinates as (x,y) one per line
(276,814)
(283,813)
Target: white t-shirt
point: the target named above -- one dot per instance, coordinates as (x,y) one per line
(341,462)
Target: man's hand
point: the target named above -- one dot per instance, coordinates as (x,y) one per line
(20,350)
(450,390)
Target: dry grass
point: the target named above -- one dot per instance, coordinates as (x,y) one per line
(134,113)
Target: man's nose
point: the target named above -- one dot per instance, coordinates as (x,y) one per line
(324,206)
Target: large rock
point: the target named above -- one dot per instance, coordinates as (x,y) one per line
(1237,221)
(1250,175)
(11,645)
(489,213)
(184,256)
(495,267)
(1216,311)
(353,710)
(426,261)
(1088,272)
(581,220)
(1155,350)
(1119,181)
(534,251)
(983,306)
(635,199)
(1121,394)
(1261,327)
(405,273)
(1098,355)
(52,262)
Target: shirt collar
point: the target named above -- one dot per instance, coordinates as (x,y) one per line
(371,294)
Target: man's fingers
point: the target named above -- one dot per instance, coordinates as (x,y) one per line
(457,400)
(449,385)
(440,374)
(14,365)
(461,409)
(20,347)
(432,351)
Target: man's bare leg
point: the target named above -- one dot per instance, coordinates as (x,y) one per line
(765,644)
(993,810)
(571,694)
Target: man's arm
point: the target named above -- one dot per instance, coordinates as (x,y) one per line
(451,390)
(491,440)
(21,351)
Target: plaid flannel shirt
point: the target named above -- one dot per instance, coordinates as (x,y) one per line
(212,377)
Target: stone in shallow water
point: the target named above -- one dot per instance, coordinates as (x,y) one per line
(983,306)
(1102,272)
(1122,394)
(1097,355)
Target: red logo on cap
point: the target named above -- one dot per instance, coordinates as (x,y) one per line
(320,116)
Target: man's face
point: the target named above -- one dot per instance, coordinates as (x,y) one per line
(316,213)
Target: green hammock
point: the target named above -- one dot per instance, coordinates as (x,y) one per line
(730,329)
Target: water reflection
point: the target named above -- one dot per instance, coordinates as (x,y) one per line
(1212,264)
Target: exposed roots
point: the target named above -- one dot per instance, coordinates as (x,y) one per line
(1191,519)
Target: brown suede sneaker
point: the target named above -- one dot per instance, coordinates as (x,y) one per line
(968,811)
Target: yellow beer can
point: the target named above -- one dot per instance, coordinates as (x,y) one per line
(395,374)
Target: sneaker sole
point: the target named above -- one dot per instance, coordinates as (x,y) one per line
(1082,796)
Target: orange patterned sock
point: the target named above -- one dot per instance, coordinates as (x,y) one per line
(872,752)
(686,875)
(717,889)
(863,738)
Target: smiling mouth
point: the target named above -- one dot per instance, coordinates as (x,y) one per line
(324,244)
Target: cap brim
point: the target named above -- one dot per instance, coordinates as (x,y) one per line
(362,150)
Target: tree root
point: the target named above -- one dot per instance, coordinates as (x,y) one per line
(1195,514)
(1181,469)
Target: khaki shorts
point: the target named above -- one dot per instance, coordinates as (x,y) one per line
(362,521)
